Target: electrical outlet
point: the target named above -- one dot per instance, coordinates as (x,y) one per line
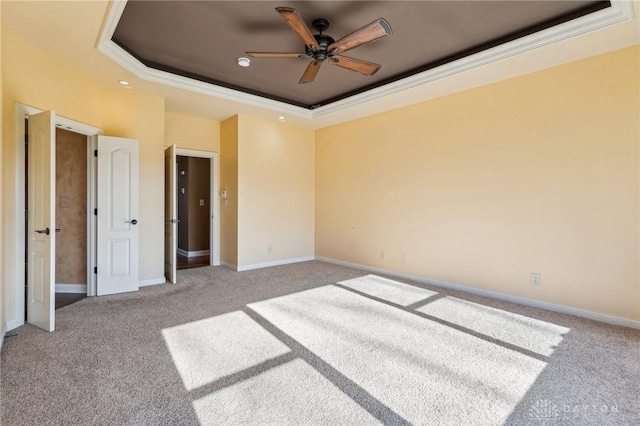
(535,278)
(383,254)
(269,248)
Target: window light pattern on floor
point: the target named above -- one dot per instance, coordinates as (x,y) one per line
(373,350)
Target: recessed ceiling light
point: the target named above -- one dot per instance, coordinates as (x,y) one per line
(124,83)
(281,118)
(244,62)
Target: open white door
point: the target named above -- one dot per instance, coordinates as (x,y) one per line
(170,214)
(117,222)
(41,234)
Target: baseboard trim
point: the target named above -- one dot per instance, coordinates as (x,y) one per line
(196,253)
(229,265)
(71,288)
(152,281)
(4,332)
(563,309)
(274,263)
(13,324)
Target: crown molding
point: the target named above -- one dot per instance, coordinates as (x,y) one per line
(620,11)
(110,49)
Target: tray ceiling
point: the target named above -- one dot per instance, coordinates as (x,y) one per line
(202,40)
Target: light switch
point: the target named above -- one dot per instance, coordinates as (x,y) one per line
(182,191)
(201,202)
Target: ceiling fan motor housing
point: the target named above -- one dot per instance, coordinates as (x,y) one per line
(320,54)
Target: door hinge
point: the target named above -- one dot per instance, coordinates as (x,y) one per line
(95,212)
(95,152)
(95,269)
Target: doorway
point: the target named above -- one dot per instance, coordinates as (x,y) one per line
(72,172)
(194,211)
(34,241)
(71,217)
(24,220)
(200,168)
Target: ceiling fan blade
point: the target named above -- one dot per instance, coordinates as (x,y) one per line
(276,55)
(297,24)
(364,67)
(310,73)
(374,31)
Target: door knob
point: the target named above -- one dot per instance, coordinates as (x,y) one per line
(43,231)
(133,221)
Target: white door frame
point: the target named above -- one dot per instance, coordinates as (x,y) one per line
(214,227)
(21,113)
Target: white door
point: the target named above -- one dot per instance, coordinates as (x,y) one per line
(117,223)
(170,214)
(41,235)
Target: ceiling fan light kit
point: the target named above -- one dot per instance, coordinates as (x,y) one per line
(323,48)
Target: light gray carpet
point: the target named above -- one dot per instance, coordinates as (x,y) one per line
(316,344)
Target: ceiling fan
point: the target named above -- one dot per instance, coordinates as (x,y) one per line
(321,47)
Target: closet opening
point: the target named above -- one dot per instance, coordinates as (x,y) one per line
(194,211)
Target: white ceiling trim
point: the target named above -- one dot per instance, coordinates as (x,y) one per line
(110,49)
(619,11)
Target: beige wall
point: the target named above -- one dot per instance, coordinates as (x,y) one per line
(229,183)
(190,132)
(275,190)
(71,207)
(32,77)
(267,171)
(535,174)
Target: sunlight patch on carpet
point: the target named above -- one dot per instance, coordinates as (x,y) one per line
(292,393)
(420,369)
(389,290)
(210,349)
(537,336)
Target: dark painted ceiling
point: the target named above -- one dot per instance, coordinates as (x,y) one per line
(204,39)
